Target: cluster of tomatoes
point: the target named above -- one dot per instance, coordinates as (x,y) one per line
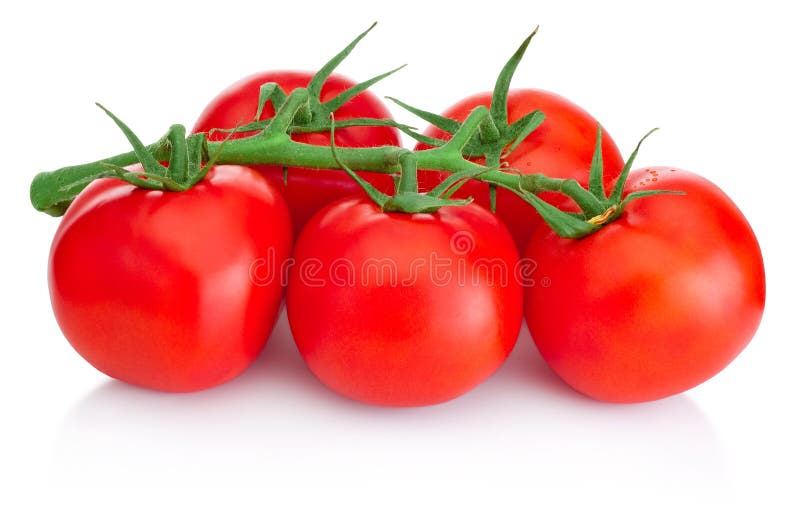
(178,291)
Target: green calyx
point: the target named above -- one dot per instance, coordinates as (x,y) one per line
(407,197)
(314,115)
(496,138)
(52,192)
(185,163)
(597,209)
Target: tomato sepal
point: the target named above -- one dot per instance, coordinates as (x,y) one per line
(407,198)
(495,137)
(597,209)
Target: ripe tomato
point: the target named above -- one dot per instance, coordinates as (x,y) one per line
(306,190)
(154,288)
(655,303)
(399,310)
(562,147)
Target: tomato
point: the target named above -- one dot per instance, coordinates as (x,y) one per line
(154,288)
(562,147)
(401,310)
(655,303)
(306,190)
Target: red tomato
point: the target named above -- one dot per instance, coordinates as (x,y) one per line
(399,310)
(655,303)
(154,288)
(562,147)
(307,190)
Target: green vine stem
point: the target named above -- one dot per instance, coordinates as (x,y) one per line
(485,133)
(51,192)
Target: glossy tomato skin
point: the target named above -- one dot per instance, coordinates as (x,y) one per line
(653,304)
(306,190)
(154,288)
(378,309)
(562,147)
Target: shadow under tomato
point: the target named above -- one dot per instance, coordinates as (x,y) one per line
(276,425)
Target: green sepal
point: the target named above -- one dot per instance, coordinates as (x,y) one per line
(447,125)
(445,189)
(149,181)
(341,99)
(619,186)
(598,211)
(419,203)
(133,178)
(499,106)
(495,136)
(373,193)
(272,92)
(647,193)
(312,114)
(596,168)
(178,176)
(562,223)
(149,163)
(427,140)
(315,85)
(521,129)
(407,198)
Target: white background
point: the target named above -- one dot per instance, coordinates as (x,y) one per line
(720,79)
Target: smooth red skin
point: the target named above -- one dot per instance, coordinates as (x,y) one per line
(403,345)
(307,190)
(561,147)
(655,303)
(153,288)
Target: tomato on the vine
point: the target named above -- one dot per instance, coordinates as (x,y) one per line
(401,310)
(155,288)
(655,303)
(561,147)
(306,190)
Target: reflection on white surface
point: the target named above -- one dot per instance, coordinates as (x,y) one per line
(522,428)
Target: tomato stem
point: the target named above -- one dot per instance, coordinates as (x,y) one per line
(52,192)
(408,174)
(485,134)
(296,105)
